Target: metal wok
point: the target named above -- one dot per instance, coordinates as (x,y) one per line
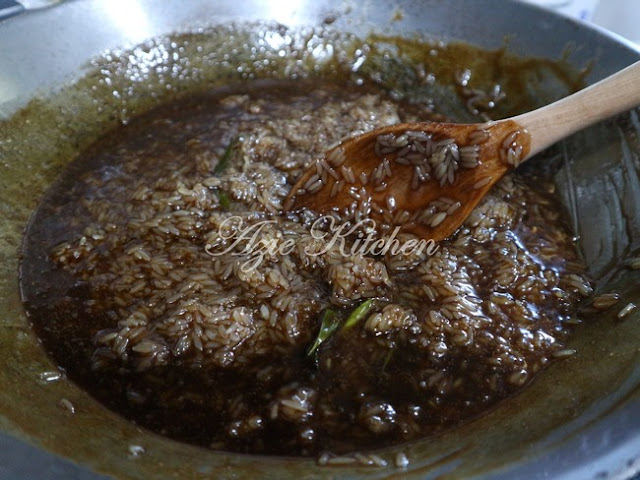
(579,419)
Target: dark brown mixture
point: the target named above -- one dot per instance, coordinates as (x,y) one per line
(134,281)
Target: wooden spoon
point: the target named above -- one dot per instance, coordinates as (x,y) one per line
(427,177)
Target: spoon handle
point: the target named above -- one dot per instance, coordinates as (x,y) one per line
(608,97)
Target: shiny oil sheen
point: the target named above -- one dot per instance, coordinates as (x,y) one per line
(578,417)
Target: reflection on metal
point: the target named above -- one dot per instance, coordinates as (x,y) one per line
(8,8)
(129,18)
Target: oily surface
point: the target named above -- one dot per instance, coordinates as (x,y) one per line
(147,302)
(41,139)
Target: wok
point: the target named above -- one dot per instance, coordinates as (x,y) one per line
(579,419)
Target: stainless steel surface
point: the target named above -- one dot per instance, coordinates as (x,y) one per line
(9,8)
(21,460)
(45,47)
(40,50)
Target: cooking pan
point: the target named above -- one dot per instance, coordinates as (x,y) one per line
(579,419)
